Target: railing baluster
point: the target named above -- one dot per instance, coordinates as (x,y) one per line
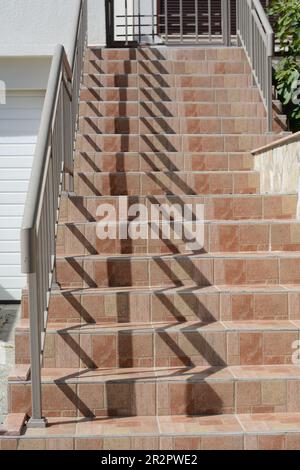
(153,23)
(209,21)
(166,22)
(52,205)
(225,22)
(181,20)
(35,352)
(139,21)
(197,21)
(126,23)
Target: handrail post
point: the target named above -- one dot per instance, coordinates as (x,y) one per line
(270,94)
(238,22)
(166,22)
(28,242)
(37,420)
(251,45)
(226,22)
(270,49)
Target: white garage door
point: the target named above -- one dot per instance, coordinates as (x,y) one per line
(19,124)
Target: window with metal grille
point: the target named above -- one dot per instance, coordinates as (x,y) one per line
(206,10)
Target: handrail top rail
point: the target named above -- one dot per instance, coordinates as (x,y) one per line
(59,59)
(80,4)
(289,139)
(67,66)
(263,16)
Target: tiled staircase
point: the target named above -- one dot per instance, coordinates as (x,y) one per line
(149,346)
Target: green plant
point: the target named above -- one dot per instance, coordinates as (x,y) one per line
(287,73)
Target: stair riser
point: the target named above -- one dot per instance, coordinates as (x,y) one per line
(162,348)
(166,307)
(215,208)
(172,143)
(116,109)
(166,81)
(225,109)
(120,80)
(231,54)
(168,110)
(233,238)
(171,126)
(169,442)
(118,162)
(159,272)
(83,240)
(163,398)
(190,95)
(118,184)
(166,67)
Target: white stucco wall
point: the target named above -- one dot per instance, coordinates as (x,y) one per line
(279,168)
(36,26)
(96,22)
(25,73)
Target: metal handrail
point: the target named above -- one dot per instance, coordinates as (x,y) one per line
(53,157)
(76,32)
(283,141)
(256,35)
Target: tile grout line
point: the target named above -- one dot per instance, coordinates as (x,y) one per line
(240,423)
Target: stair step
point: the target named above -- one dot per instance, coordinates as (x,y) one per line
(161,108)
(166,126)
(152,94)
(235,109)
(163,391)
(216,207)
(172,344)
(160,183)
(269,431)
(167,53)
(166,81)
(12,426)
(109,109)
(111,66)
(174,143)
(166,67)
(155,161)
(179,270)
(226,236)
(194,303)
(170,109)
